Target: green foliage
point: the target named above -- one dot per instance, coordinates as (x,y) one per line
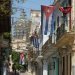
(5,7)
(15,57)
(18,66)
(6,35)
(26,57)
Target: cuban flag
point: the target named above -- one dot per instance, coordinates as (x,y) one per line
(22,59)
(65,10)
(53,27)
(52,24)
(35,40)
(46,16)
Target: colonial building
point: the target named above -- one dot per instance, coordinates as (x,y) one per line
(58,51)
(34,38)
(36,20)
(20,33)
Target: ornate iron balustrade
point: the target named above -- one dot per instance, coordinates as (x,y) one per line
(60,31)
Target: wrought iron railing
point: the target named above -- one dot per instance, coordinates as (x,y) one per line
(60,31)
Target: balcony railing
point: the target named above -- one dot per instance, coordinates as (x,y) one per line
(60,31)
(67,38)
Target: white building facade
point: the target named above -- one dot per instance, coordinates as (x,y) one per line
(36,20)
(19,34)
(58,51)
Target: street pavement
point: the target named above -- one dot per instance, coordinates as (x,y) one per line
(12,73)
(20,73)
(25,73)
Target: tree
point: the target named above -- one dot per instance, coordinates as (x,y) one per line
(5,7)
(15,57)
(6,35)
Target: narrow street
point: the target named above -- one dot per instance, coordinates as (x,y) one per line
(20,73)
(37,37)
(25,73)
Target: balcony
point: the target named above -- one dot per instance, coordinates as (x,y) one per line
(48,48)
(66,38)
(60,31)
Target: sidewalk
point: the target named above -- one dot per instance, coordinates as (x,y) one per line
(26,73)
(12,73)
(20,73)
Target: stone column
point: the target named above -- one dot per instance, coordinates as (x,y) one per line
(29,66)
(45,68)
(66,65)
(73,58)
(69,64)
(73,64)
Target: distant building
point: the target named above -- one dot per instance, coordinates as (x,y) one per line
(19,33)
(36,21)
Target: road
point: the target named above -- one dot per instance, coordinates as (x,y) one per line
(26,73)
(12,73)
(20,73)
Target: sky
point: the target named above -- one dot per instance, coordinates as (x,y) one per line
(30,4)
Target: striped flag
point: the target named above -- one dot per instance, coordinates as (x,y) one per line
(22,59)
(53,28)
(52,24)
(65,10)
(45,16)
(35,40)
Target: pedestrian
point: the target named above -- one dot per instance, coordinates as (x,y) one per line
(14,68)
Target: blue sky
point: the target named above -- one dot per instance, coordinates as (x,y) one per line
(30,4)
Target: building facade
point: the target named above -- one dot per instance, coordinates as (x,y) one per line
(58,51)
(5,27)
(34,39)
(20,33)
(36,20)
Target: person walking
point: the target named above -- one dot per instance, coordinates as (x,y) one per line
(14,68)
